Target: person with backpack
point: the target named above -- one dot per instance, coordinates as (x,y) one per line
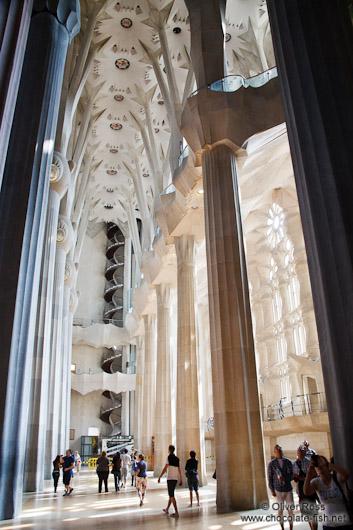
(193,477)
(307,503)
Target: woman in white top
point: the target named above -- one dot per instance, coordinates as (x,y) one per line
(172,467)
(329,490)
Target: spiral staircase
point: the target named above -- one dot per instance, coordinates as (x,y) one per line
(114,275)
(110,411)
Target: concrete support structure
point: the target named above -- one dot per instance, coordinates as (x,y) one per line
(140,359)
(36,445)
(320,130)
(25,200)
(149,387)
(236,401)
(163,410)
(188,427)
(15,16)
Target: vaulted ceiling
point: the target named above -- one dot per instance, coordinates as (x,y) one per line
(141,74)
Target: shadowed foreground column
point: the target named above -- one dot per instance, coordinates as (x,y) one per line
(238,432)
(313,43)
(163,412)
(23,206)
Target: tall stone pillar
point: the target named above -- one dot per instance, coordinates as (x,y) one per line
(15,17)
(140,360)
(64,352)
(207,19)
(214,123)
(149,387)
(23,206)
(238,432)
(315,43)
(188,426)
(57,376)
(36,448)
(163,411)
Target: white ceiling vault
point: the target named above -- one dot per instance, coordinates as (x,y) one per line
(140,76)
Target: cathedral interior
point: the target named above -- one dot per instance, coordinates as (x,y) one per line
(176,246)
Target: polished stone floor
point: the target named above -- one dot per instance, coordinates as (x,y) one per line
(86,509)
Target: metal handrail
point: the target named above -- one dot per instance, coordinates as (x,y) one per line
(86,323)
(183,154)
(300,405)
(231,83)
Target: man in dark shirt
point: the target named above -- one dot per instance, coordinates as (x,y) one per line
(68,465)
(193,477)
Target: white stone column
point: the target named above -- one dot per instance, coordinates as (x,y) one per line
(140,359)
(188,429)
(36,449)
(149,387)
(163,412)
(57,392)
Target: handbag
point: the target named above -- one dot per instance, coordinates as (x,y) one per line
(347,499)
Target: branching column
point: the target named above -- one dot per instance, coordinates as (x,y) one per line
(163,412)
(149,387)
(238,434)
(188,429)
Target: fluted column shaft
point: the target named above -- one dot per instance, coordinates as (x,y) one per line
(56,364)
(36,442)
(23,206)
(36,448)
(318,43)
(163,412)
(149,387)
(188,428)
(140,360)
(15,19)
(238,433)
(64,275)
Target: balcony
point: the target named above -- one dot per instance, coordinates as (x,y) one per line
(296,406)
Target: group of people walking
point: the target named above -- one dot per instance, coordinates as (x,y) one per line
(321,487)
(120,466)
(122,462)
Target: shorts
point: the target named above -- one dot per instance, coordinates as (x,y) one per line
(66,478)
(308,507)
(285,498)
(124,472)
(141,484)
(171,487)
(193,483)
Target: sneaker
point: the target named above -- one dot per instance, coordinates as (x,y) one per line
(71,490)
(65,494)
